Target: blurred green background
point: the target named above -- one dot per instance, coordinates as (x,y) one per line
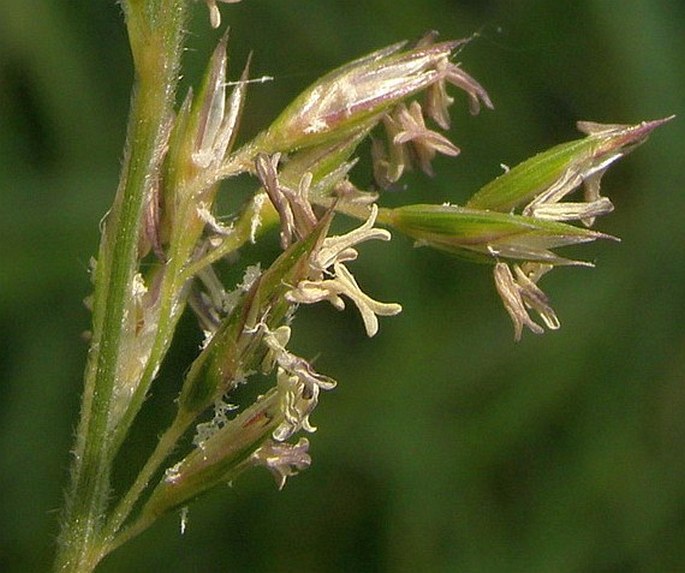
(446,446)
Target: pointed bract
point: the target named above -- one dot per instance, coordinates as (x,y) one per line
(488,235)
(363,91)
(552,175)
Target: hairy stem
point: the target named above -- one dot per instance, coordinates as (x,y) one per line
(155,34)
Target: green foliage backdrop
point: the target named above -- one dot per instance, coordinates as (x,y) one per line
(446,446)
